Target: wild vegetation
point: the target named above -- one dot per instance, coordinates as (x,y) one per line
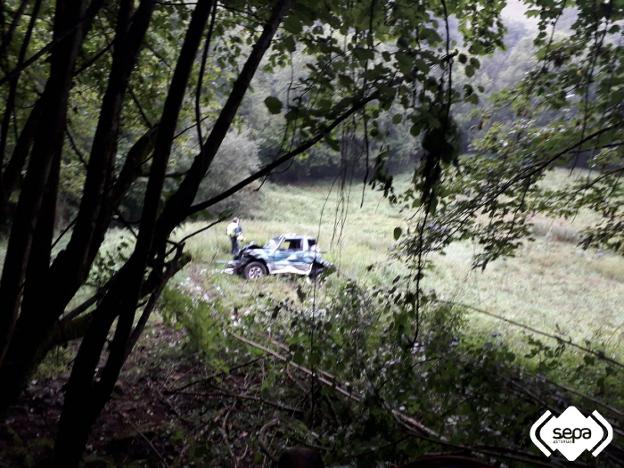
(568,287)
(459,161)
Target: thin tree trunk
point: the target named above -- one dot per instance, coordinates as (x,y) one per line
(17,160)
(178,204)
(12,94)
(30,340)
(8,36)
(48,143)
(59,283)
(121,300)
(72,265)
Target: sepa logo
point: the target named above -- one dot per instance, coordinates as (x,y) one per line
(571,433)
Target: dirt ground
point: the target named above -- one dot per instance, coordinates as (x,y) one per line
(145,423)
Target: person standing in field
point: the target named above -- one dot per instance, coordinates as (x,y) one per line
(234,231)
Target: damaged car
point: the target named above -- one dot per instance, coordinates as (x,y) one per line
(284,254)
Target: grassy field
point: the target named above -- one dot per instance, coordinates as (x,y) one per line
(551,284)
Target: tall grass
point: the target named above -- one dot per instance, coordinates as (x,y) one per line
(551,284)
(365,238)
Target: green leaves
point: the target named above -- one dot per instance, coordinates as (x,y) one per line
(397,232)
(292,24)
(274,105)
(345,80)
(471,67)
(363,54)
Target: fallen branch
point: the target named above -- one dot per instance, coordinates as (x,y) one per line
(331,382)
(264,446)
(505,452)
(146,439)
(212,376)
(409,423)
(236,396)
(602,404)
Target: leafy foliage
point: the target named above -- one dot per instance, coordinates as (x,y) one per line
(472,391)
(113,125)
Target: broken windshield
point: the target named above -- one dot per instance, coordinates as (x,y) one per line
(273,243)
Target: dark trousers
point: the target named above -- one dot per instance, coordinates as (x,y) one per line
(234,241)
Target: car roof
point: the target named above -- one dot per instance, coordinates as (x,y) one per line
(296,236)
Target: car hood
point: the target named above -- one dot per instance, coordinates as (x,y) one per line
(252,250)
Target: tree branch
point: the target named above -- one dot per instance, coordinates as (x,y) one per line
(177,205)
(281,159)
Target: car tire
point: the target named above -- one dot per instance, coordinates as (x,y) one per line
(254,270)
(319,270)
(315,272)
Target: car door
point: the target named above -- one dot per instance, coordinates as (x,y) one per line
(299,258)
(289,257)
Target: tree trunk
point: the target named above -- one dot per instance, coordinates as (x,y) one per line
(30,341)
(121,300)
(72,265)
(48,143)
(59,283)
(177,205)
(12,94)
(16,162)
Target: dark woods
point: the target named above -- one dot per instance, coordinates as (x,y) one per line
(36,285)
(98,96)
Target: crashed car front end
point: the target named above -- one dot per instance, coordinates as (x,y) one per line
(237,264)
(297,255)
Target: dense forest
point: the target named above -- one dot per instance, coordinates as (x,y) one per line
(451,169)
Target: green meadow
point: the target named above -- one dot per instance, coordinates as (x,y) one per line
(552,284)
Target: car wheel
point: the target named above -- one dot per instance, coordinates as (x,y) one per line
(254,270)
(317,271)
